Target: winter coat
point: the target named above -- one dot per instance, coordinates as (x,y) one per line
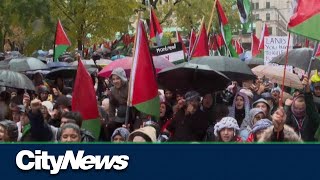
(118,98)
(42,131)
(188,127)
(286,135)
(310,123)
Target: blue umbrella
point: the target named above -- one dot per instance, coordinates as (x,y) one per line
(53,65)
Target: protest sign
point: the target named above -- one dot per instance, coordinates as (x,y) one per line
(172,52)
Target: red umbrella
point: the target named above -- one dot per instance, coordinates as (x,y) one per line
(126,63)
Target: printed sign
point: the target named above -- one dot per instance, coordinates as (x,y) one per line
(172,52)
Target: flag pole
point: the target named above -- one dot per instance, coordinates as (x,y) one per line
(211,16)
(54,42)
(284,70)
(197,40)
(129,100)
(312,58)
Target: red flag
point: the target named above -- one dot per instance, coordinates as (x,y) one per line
(264,33)
(155,28)
(220,40)
(254,45)
(318,53)
(213,45)
(237,46)
(84,100)
(180,40)
(142,75)
(192,40)
(201,48)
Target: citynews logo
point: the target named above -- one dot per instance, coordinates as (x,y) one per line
(40,160)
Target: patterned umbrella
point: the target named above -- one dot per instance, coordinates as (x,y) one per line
(275,74)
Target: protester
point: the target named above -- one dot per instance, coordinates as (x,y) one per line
(240,108)
(145,134)
(227,130)
(258,129)
(61,88)
(263,105)
(189,124)
(8,131)
(170,97)
(207,107)
(70,132)
(43,93)
(120,135)
(279,132)
(166,115)
(220,111)
(46,110)
(255,115)
(118,101)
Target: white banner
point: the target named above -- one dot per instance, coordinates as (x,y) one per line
(274,46)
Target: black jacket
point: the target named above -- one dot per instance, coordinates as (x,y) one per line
(188,128)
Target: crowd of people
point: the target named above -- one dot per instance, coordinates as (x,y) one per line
(248,111)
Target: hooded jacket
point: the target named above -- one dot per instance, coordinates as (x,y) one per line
(123,132)
(245,131)
(148,133)
(118,97)
(286,135)
(233,111)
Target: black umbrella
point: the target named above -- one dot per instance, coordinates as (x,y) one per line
(191,76)
(66,72)
(253,62)
(298,58)
(27,64)
(233,68)
(15,80)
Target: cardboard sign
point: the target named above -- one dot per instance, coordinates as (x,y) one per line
(172,52)
(274,46)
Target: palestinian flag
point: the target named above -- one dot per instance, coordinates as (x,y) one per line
(61,42)
(264,33)
(180,40)
(143,92)
(305,20)
(225,29)
(255,45)
(84,101)
(202,46)
(244,8)
(155,28)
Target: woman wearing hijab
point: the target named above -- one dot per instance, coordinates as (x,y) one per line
(255,115)
(240,108)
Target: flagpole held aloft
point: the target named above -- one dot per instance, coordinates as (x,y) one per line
(211,16)
(129,100)
(284,70)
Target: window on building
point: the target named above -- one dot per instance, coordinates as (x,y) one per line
(267,5)
(252,5)
(270,30)
(257,5)
(256,17)
(268,17)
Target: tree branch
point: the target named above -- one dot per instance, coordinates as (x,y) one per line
(64,12)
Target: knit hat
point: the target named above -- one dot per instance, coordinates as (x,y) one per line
(123,132)
(261,100)
(276,89)
(11,129)
(262,124)
(148,133)
(192,95)
(226,122)
(266,95)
